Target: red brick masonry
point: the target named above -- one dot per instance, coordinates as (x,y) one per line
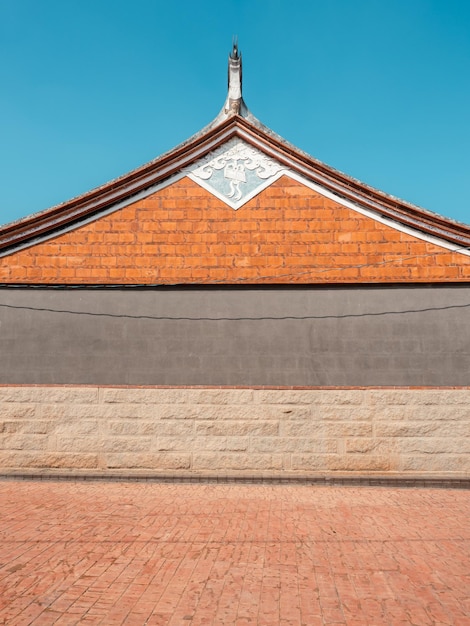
(183,234)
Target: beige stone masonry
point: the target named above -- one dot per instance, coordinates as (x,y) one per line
(396,431)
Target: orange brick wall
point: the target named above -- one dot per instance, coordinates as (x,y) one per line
(286,234)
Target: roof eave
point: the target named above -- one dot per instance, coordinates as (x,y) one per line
(247,127)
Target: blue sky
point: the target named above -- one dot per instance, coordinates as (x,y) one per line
(91,89)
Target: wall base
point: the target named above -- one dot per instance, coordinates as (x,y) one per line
(235,433)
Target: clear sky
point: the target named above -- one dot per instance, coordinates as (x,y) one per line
(90,89)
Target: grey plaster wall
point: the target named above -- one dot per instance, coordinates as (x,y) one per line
(236,336)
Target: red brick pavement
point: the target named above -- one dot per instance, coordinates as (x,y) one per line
(199,554)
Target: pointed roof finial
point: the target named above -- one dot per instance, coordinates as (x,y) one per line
(234,54)
(234,98)
(234,103)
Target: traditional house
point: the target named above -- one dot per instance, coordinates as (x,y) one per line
(235,305)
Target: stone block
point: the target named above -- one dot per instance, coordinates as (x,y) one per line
(347,429)
(69,461)
(51,394)
(342,413)
(300,428)
(135,411)
(76,427)
(20,441)
(424,397)
(18,410)
(138,427)
(47,460)
(172,443)
(309,462)
(437,463)
(40,427)
(338,397)
(178,396)
(158,461)
(382,446)
(435,445)
(320,428)
(236,461)
(412,429)
(309,397)
(293,445)
(77,444)
(281,396)
(219,396)
(362,463)
(178,428)
(393,413)
(441,397)
(71,395)
(180,411)
(223,412)
(388,397)
(142,396)
(447,413)
(65,411)
(12,427)
(46,394)
(131,427)
(17,394)
(221,443)
(126,444)
(243,427)
(289,412)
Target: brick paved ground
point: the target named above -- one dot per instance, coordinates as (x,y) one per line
(198,554)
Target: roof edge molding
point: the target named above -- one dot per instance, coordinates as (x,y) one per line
(234,122)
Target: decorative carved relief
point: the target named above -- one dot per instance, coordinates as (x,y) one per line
(236,172)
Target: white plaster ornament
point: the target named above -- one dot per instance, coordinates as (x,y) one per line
(236,172)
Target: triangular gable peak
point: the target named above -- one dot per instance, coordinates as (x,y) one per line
(265,212)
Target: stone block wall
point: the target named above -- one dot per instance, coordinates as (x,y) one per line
(230,430)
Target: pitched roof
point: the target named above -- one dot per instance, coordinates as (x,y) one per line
(234,122)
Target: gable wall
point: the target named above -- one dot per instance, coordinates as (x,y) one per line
(286,234)
(357,336)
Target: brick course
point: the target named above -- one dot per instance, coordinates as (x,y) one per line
(183,234)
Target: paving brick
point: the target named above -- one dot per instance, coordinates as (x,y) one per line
(171,554)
